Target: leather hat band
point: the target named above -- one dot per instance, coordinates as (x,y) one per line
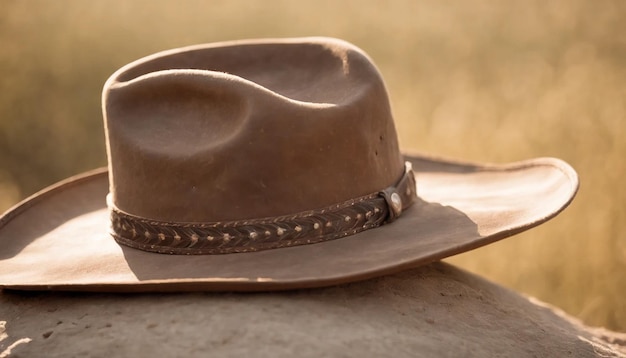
(308,227)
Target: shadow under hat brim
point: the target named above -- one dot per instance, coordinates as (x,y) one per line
(59,238)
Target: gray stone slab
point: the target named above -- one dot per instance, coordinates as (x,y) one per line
(433,311)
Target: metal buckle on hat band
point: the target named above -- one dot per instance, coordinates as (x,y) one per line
(401,196)
(329,223)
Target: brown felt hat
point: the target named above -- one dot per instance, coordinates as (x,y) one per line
(262,165)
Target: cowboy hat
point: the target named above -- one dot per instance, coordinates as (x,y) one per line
(262,165)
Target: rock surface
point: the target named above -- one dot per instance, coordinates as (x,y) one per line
(433,311)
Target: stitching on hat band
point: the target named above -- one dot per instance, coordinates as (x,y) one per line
(308,227)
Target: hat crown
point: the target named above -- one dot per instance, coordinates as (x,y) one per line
(244,130)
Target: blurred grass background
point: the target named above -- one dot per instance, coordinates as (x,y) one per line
(494,81)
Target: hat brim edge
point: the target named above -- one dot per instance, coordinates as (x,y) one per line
(195,284)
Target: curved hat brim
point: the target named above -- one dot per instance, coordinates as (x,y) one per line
(59,239)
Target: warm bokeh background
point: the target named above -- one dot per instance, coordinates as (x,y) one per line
(494,81)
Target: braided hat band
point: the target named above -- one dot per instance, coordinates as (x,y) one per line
(308,227)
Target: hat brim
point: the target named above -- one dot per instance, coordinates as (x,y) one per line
(59,239)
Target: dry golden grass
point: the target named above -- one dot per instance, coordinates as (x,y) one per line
(491,81)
